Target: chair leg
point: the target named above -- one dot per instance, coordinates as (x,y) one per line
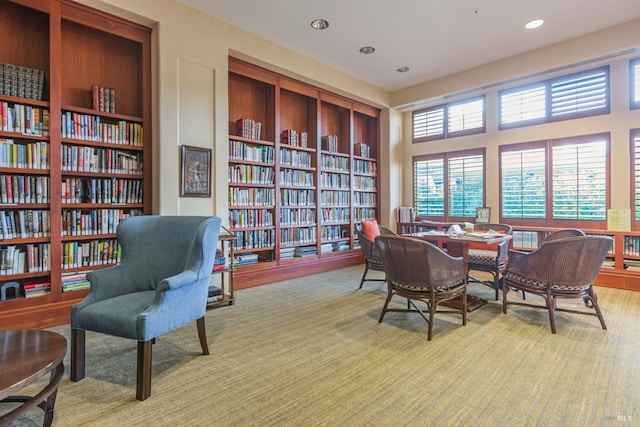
(594,301)
(202,335)
(366,269)
(143,379)
(551,305)
(77,354)
(432,314)
(386,303)
(464,308)
(496,283)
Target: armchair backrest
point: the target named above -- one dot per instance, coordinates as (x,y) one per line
(156,247)
(415,263)
(369,250)
(574,261)
(563,234)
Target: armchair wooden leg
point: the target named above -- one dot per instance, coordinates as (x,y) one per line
(366,269)
(77,354)
(202,334)
(143,378)
(386,303)
(596,306)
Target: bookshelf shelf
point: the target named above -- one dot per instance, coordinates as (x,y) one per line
(72,47)
(314,200)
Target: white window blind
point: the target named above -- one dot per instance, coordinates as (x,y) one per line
(523,183)
(523,105)
(636,174)
(428,187)
(579,181)
(449,120)
(635,83)
(466,185)
(428,124)
(465,116)
(580,94)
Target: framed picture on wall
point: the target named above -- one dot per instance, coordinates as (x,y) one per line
(195,172)
(483,215)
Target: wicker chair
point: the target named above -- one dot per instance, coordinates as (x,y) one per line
(490,260)
(372,258)
(420,271)
(564,268)
(563,234)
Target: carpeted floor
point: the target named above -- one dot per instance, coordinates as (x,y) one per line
(310,352)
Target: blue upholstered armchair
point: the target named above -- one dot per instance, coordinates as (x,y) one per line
(160,285)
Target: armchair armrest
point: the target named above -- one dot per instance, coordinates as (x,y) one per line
(109,282)
(186,277)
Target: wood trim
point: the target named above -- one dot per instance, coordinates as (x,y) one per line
(245,69)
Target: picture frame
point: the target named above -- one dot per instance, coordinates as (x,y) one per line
(195,172)
(483,215)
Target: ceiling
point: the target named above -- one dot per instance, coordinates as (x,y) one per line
(433,38)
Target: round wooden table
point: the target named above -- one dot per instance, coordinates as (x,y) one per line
(25,357)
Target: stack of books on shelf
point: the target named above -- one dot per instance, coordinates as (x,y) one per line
(12,260)
(326,248)
(103,99)
(292,137)
(248,128)
(361,149)
(22,82)
(329,143)
(246,259)
(341,246)
(24,119)
(286,253)
(215,294)
(75,282)
(301,251)
(36,288)
(32,155)
(219,261)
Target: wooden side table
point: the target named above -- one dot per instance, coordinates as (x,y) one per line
(25,357)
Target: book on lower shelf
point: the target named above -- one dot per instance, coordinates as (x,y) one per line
(245,259)
(36,288)
(214,294)
(302,251)
(75,282)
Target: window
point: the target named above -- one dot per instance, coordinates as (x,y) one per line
(634,79)
(548,182)
(635,164)
(568,97)
(450,120)
(449,185)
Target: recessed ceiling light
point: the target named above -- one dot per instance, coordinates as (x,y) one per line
(319,24)
(367,50)
(403,69)
(534,24)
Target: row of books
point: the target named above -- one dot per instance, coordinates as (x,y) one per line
(92,253)
(364,183)
(329,143)
(295,236)
(75,282)
(23,82)
(101,190)
(253,239)
(297,197)
(295,138)
(30,258)
(335,198)
(361,149)
(335,163)
(28,155)
(24,224)
(405,214)
(362,214)
(365,167)
(242,218)
(297,216)
(103,99)
(365,199)
(632,245)
(24,119)
(92,128)
(24,189)
(334,180)
(335,214)
(302,251)
(248,128)
(341,246)
(331,232)
(239,150)
(76,222)
(251,196)
(102,160)
(245,259)
(219,262)
(294,177)
(250,174)
(295,158)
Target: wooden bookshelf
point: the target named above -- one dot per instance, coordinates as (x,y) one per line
(315,202)
(98,164)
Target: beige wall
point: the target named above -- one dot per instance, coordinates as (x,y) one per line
(190,101)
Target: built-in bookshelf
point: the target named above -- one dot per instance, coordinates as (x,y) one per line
(317,139)
(75,160)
